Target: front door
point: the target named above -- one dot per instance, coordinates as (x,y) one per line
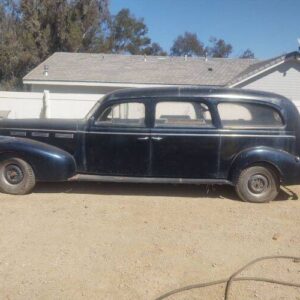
(184,141)
(117,142)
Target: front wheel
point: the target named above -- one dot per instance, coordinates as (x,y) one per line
(257,184)
(16,177)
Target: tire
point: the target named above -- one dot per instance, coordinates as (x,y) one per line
(16,177)
(258,184)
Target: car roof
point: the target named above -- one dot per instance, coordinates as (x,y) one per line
(212,92)
(287,108)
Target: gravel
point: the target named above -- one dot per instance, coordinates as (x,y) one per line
(127,241)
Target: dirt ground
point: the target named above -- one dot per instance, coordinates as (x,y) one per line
(127,241)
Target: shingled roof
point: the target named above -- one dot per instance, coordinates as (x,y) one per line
(137,69)
(116,69)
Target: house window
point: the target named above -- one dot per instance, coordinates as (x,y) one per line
(182,114)
(248,115)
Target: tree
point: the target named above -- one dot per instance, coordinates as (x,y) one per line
(63,25)
(219,48)
(154,49)
(188,44)
(10,45)
(128,34)
(31,30)
(247,54)
(93,16)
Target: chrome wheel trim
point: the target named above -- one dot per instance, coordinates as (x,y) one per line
(258,184)
(13,174)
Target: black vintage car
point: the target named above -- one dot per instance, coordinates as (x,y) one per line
(164,135)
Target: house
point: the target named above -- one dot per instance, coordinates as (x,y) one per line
(88,73)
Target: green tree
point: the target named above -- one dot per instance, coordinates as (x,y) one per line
(93,17)
(188,44)
(63,25)
(154,49)
(128,34)
(10,46)
(219,48)
(31,30)
(247,54)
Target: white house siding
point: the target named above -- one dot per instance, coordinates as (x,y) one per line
(284,80)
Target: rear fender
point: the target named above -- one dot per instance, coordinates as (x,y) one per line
(286,164)
(48,162)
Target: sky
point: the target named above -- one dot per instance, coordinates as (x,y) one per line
(268,27)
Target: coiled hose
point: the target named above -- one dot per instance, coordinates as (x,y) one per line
(234,277)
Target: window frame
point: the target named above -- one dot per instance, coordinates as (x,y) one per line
(252,102)
(191,100)
(103,108)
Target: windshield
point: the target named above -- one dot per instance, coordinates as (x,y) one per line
(93,109)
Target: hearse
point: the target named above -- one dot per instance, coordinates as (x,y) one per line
(247,139)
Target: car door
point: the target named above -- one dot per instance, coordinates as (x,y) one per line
(184,140)
(117,141)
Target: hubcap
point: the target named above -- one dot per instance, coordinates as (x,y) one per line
(13,174)
(258,184)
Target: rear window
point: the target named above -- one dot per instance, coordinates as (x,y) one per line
(182,114)
(249,115)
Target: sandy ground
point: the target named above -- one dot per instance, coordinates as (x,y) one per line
(120,241)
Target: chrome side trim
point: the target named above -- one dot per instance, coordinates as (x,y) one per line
(116,133)
(99,178)
(191,134)
(40,134)
(259,135)
(64,135)
(220,133)
(18,133)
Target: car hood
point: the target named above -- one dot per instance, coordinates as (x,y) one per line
(44,124)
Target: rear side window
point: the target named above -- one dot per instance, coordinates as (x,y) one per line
(249,115)
(182,114)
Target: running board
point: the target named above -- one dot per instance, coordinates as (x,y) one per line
(99,178)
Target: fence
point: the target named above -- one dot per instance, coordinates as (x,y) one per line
(19,105)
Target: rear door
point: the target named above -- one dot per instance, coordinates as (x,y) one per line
(184,140)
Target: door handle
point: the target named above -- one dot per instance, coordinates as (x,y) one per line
(156,138)
(146,138)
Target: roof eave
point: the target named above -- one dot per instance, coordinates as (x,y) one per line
(92,83)
(104,84)
(253,75)
(290,56)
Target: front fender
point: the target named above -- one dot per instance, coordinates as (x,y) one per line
(287,165)
(48,162)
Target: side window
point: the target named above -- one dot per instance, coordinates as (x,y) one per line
(130,114)
(182,114)
(248,115)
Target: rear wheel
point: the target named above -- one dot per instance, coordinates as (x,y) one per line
(16,177)
(257,184)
